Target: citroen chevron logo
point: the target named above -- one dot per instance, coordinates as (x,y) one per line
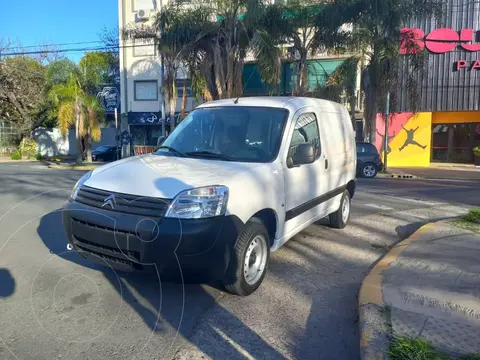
(110,201)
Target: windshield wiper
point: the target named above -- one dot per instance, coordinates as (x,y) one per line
(209,154)
(175,151)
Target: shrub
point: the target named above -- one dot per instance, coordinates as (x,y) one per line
(476,151)
(28,148)
(16,155)
(473,216)
(38,156)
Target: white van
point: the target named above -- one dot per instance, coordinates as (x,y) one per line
(234,181)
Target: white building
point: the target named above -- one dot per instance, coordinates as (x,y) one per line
(140,81)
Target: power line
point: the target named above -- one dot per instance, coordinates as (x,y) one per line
(53,45)
(100,48)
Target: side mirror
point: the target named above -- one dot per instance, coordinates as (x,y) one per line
(305,154)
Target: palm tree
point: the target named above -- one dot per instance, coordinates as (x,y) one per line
(306,27)
(211,41)
(375,35)
(79,109)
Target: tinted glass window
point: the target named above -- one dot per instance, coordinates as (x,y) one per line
(306,131)
(251,134)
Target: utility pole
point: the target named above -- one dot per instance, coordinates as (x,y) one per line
(162,76)
(117,137)
(385,145)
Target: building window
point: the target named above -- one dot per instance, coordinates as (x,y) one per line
(146,90)
(179,85)
(143,47)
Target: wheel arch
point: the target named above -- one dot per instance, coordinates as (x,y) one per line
(269,218)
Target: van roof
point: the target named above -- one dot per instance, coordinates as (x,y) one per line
(291,103)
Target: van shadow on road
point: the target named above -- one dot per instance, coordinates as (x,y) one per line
(167,307)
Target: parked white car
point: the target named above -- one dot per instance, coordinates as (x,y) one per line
(233,182)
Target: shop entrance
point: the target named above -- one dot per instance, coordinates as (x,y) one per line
(455,142)
(144,138)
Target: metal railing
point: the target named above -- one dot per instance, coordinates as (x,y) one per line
(9,138)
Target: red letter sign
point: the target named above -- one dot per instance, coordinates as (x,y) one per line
(461,64)
(411,41)
(466,35)
(442,40)
(476,65)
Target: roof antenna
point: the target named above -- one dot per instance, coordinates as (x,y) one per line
(236,100)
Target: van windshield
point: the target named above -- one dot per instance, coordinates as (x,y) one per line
(236,133)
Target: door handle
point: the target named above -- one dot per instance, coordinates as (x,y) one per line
(326,163)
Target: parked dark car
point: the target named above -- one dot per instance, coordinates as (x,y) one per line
(369,161)
(105,153)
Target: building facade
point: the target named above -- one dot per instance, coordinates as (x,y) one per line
(140,81)
(446,125)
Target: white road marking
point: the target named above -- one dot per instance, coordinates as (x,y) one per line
(425,202)
(381,207)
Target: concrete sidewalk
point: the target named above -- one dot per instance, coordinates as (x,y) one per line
(437,172)
(427,286)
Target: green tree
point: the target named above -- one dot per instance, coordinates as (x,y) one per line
(77,105)
(210,41)
(22,99)
(375,35)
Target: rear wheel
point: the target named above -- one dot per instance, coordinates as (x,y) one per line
(369,170)
(339,219)
(249,261)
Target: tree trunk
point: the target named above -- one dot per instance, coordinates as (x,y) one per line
(370,115)
(302,78)
(78,136)
(353,106)
(219,72)
(184,101)
(88,145)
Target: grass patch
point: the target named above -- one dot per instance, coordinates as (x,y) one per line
(472,216)
(414,349)
(419,349)
(471,221)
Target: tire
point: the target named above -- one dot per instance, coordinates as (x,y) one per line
(239,278)
(338,219)
(369,170)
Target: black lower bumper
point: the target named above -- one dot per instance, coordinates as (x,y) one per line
(188,248)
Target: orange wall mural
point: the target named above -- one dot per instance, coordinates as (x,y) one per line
(456,117)
(409,138)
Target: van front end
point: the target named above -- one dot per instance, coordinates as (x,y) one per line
(129,233)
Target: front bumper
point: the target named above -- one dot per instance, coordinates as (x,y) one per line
(199,248)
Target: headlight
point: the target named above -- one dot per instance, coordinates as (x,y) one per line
(79,184)
(199,203)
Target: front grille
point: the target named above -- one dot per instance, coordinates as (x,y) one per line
(115,259)
(124,203)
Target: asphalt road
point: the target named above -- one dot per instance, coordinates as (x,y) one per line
(54,304)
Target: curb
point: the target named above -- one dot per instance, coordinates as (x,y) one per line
(73,167)
(374,314)
(398,176)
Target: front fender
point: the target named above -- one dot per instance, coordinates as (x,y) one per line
(256,190)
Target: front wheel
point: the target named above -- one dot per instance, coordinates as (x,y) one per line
(249,260)
(369,171)
(339,219)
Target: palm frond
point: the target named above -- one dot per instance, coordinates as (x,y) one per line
(66,117)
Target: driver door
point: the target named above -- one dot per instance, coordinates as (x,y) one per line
(305,184)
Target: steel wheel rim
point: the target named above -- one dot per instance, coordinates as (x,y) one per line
(345,209)
(255,260)
(369,171)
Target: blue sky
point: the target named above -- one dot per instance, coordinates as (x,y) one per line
(57,21)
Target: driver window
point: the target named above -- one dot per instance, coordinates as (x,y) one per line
(306,131)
